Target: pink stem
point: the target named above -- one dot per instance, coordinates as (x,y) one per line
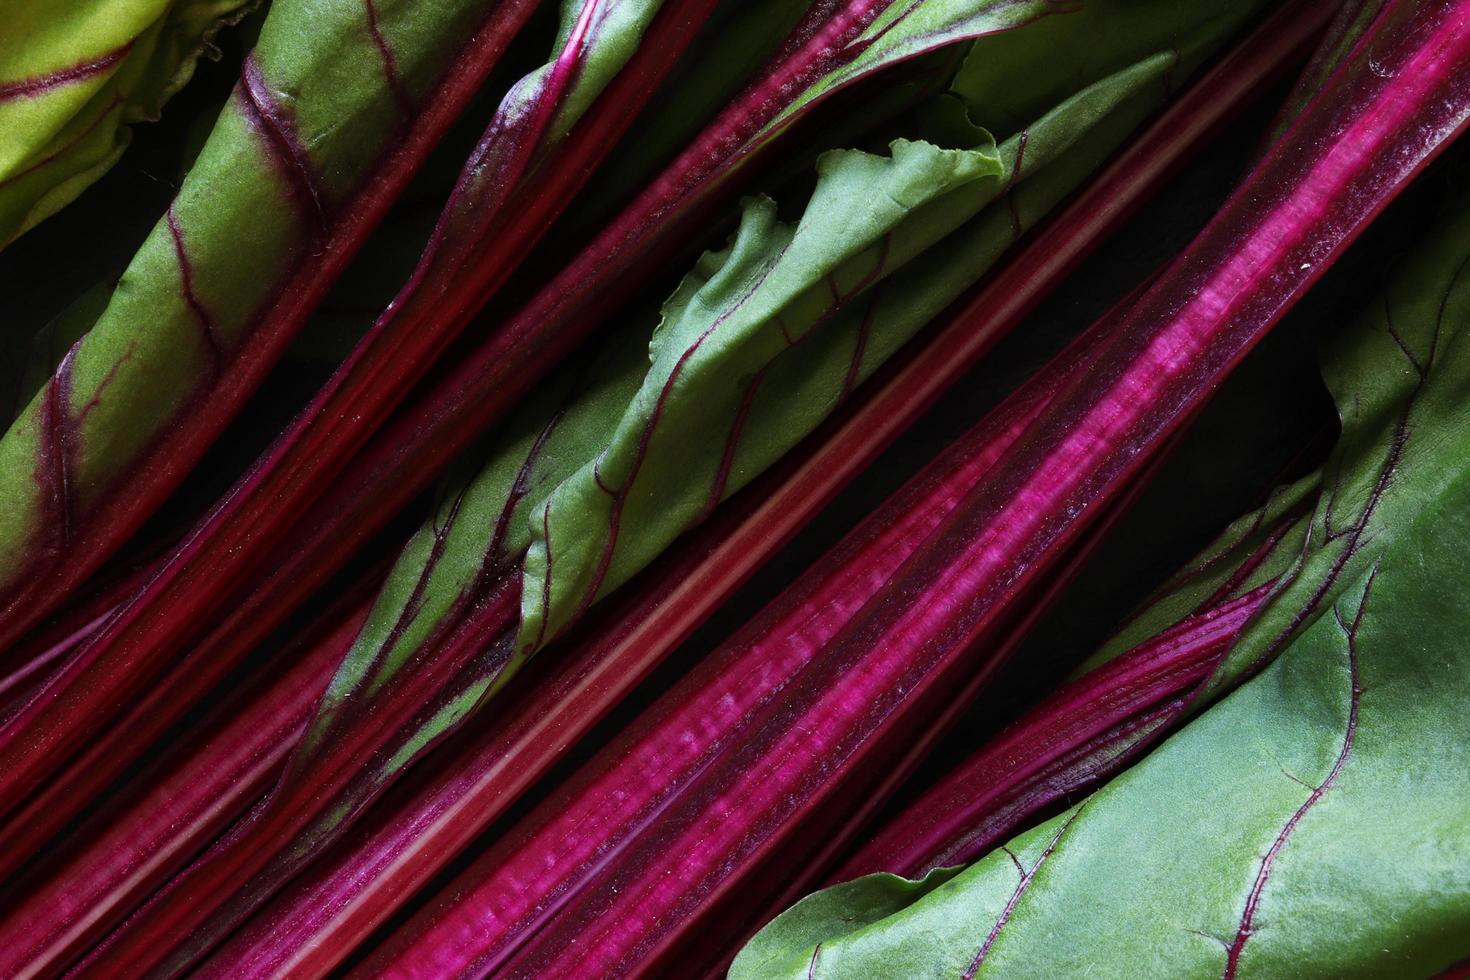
(1056,747)
(130,847)
(344,898)
(1375,125)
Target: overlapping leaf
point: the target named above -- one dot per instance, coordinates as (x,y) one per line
(1310,823)
(330,89)
(839,285)
(74,80)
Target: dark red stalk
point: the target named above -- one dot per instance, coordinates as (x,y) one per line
(42,651)
(517,354)
(109,865)
(158,471)
(341,901)
(902,657)
(430,433)
(39,657)
(238,534)
(1067,741)
(801,861)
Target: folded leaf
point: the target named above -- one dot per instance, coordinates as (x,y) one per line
(75,77)
(736,315)
(484,385)
(234,540)
(409,836)
(760,343)
(595,37)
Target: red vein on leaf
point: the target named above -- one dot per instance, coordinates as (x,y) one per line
(519,488)
(186,278)
(620,495)
(390,61)
(414,604)
(1255,560)
(1356,531)
(645,437)
(273,121)
(860,348)
(727,459)
(1393,332)
(29,88)
(495,566)
(1021,886)
(885,251)
(80,415)
(1012,204)
(1055,7)
(1355,697)
(59,440)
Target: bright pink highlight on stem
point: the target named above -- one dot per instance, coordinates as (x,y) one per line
(356,886)
(521,885)
(910,647)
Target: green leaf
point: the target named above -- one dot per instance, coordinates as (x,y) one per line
(1256,549)
(1312,822)
(829,914)
(735,42)
(481,526)
(699,428)
(74,77)
(756,346)
(248,213)
(1400,380)
(619,455)
(725,398)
